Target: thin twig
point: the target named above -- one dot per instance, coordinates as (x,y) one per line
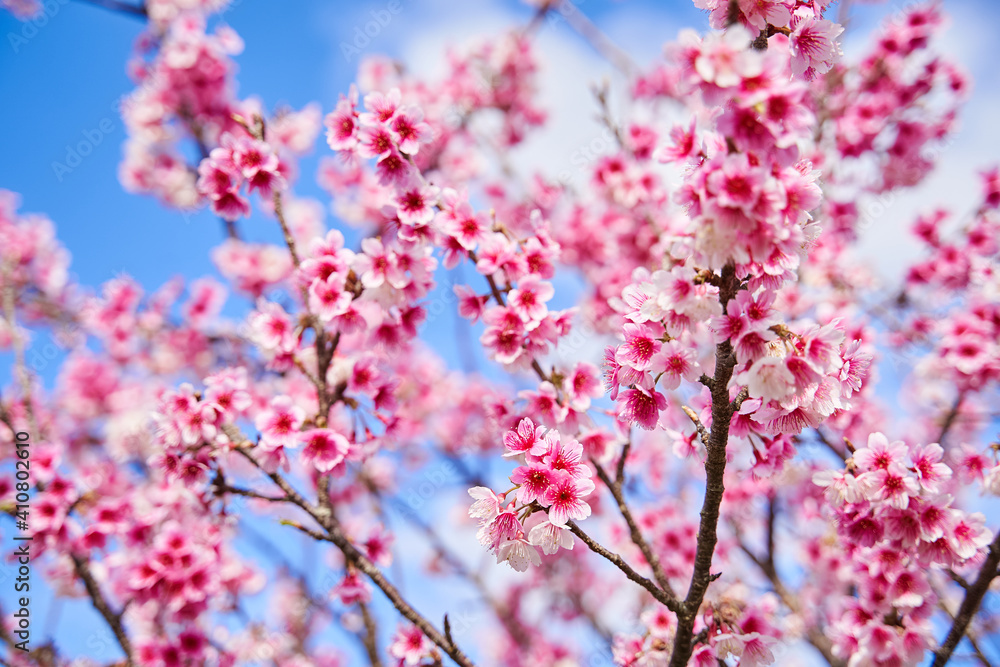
(586,28)
(702,431)
(371,636)
(949,419)
(637,537)
(334,533)
(660,595)
(113,619)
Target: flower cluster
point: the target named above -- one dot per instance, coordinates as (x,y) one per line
(553,478)
(811,40)
(897,521)
(228,167)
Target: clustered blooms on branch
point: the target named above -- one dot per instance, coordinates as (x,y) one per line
(553,476)
(893,508)
(740,333)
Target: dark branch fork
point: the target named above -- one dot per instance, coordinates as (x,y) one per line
(331,531)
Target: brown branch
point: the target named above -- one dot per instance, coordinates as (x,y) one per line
(511,624)
(370,638)
(620,470)
(715,467)
(949,419)
(113,619)
(969,634)
(279,212)
(333,532)
(829,445)
(814,635)
(637,537)
(702,431)
(970,604)
(660,595)
(220,486)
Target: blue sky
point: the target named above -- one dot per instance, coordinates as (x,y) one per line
(61,82)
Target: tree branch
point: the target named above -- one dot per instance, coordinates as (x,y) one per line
(814,635)
(113,619)
(949,419)
(970,604)
(637,537)
(660,595)
(371,636)
(334,533)
(702,431)
(715,467)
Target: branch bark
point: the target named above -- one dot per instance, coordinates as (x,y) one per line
(715,468)
(333,532)
(637,537)
(370,638)
(113,619)
(974,595)
(659,594)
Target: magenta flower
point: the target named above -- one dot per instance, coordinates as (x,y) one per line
(526,439)
(324,448)
(564,499)
(813,44)
(529,299)
(279,424)
(534,480)
(641,407)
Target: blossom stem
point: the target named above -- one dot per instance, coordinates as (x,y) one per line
(949,419)
(370,637)
(766,565)
(509,620)
(702,431)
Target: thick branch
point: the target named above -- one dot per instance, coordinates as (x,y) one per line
(970,604)
(715,467)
